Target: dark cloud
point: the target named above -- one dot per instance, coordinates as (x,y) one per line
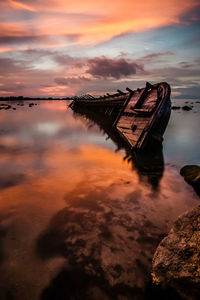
(9,40)
(104,67)
(192,92)
(172,74)
(12,87)
(32,39)
(192,15)
(8,65)
(65,60)
(37,53)
(71,80)
(11,180)
(186,65)
(155,55)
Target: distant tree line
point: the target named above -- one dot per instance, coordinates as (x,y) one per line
(32,98)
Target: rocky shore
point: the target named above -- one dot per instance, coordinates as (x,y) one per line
(191,174)
(176,262)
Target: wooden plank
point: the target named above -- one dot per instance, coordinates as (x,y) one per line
(124,129)
(133,136)
(129,124)
(125,122)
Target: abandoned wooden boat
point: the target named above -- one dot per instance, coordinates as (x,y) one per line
(139,116)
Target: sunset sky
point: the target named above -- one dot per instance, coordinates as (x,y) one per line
(72,47)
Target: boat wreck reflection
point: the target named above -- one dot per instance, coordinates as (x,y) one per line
(148,163)
(107,239)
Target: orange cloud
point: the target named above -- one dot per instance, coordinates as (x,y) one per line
(20,5)
(6,92)
(96,21)
(175,93)
(58,90)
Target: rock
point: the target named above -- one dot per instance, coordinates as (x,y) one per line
(5,106)
(176,262)
(186,107)
(8,106)
(191,174)
(176,107)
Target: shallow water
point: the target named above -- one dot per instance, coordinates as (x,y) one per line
(76,220)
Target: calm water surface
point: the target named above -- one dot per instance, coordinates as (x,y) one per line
(76,220)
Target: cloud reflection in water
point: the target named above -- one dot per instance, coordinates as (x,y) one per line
(81,214)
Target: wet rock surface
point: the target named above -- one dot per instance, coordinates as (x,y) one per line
(175,107)
(186,107)
(4,106)
(191,174)
(176,262)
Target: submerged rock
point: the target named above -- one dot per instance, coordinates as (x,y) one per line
(176,107)
(186,107)
(5,106)
(191,174)
(176,262)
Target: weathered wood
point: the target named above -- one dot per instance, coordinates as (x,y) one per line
(140,114)
(136,112)
(129,90)
(121,93)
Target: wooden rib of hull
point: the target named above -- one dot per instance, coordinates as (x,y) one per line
(101,101)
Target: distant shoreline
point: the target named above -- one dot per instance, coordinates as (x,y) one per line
(31,99)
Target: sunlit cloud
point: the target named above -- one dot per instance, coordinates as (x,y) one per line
(93,22)
(60,48)
(21,5)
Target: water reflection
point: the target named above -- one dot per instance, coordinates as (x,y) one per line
(148,163)
(107,235)
(76,220)
(107,240)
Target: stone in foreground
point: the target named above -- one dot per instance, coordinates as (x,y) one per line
(176,262)
(191,174)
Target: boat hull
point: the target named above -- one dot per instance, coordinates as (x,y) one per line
(138,123)
(140,117)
